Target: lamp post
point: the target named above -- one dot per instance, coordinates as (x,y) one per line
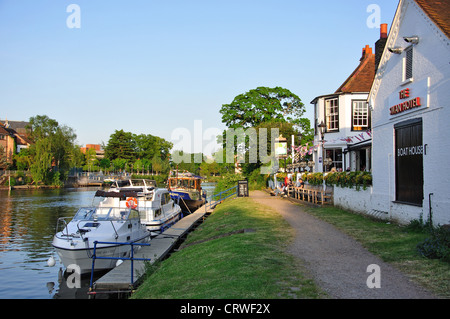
(322,127)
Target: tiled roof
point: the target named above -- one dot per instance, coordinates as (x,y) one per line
(361,79)
(439,12)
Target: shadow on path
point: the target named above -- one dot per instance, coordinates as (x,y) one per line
(338,263)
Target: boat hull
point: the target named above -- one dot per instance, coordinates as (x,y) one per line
(82,258)
(158,226)
(187,204)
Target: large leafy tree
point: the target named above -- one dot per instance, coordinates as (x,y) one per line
(52,151)
(262,105)
(149,146)
(121,145)
(262,109)
(126,149)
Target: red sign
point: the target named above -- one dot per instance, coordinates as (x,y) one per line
(407,105)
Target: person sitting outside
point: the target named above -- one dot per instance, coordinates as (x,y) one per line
(301,183)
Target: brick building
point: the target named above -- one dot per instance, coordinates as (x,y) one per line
(13,137)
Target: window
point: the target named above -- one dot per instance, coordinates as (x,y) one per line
(332,114)
(336,156)
(408,64)
(409,162)
(360,116)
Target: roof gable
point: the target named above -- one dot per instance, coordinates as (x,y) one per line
(439,12)
(362,77)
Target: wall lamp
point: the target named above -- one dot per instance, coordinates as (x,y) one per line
(396,50)
(412,39)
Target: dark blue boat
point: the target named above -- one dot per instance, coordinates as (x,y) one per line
(185,188)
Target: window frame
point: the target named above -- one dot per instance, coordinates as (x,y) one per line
(335,114)
(368,118)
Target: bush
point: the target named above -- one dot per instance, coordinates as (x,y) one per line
(349,179)
(256,180)
(228,180)
(313,178)
(437,246)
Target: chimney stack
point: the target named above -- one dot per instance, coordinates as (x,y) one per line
(366,51)
(380,44)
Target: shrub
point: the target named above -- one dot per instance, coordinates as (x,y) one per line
(349,179)
(437,246)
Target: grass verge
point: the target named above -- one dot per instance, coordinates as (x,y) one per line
(237,253)
(394,244)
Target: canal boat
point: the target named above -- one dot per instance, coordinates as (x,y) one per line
(186,189)
(157,209)
(113,223)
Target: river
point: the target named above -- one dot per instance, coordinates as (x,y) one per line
(27,225)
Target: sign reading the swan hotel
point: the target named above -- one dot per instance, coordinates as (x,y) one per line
(407,105)
(409,98)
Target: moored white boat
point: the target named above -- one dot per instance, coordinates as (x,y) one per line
(111,223)
(157,209)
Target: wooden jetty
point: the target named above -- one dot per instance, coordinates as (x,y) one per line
(119,278)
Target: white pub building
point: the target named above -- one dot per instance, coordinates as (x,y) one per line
(410,103)
(342,122)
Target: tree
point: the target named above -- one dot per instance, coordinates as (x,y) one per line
(42,163)
(147,146)
(41,126)
(52,151)
(121,145)
(262,105)
(3,160)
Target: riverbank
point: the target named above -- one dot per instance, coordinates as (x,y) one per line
(219,262)
(239,252)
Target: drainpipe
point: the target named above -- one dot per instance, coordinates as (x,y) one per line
(430,215)
(389,187)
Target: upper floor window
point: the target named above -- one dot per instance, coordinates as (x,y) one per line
(408,64)
(360,116)
(332,114)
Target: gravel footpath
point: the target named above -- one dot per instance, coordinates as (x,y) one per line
(338,263)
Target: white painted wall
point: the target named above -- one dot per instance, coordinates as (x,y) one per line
(345,125)
(431,74)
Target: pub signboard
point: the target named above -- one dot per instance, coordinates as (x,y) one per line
(242,190)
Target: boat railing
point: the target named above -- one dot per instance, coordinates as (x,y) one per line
(215,199)
(62,220)
(131,258)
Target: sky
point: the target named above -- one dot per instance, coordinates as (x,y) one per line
(167,67)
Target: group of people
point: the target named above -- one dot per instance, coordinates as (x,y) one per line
(282,189)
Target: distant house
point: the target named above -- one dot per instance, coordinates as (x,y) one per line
(13,137)
(342,123)
(97,147)
(410,102)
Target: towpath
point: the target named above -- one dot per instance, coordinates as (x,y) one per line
(337,262)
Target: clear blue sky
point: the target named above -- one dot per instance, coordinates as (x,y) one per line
(153,66)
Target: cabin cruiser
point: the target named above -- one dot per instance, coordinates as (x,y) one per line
(111,223)
(186,189)
(157,209)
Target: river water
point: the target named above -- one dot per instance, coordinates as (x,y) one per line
(28,221)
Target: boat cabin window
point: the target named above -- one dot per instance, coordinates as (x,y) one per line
(105,213)
(84,213)
(134,214)
(165,198)
(121,183)
(144,182)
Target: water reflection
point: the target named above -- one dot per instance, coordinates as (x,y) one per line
(28,221)
(27,225)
